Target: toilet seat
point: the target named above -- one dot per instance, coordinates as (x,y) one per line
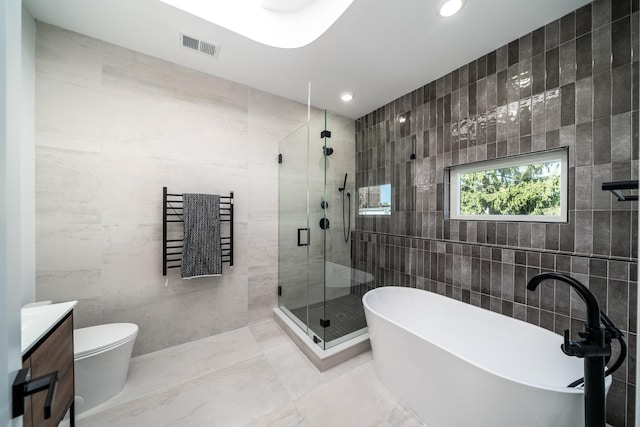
(94,339)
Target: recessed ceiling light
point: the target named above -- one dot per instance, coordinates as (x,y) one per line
(346,96)
(450,8)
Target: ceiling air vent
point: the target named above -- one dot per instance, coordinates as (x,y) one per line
(201,46)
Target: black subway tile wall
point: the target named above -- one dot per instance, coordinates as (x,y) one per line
(572,83)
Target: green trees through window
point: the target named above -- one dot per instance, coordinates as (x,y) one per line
(527,187)
(521,190)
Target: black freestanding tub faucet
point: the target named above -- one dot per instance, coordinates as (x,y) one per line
(593,347)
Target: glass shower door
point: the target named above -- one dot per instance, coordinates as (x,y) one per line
(294,236)
(317,284)
(301,257)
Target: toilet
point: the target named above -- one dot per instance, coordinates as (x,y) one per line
(101,360)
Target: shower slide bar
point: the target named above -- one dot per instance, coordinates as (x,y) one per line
(172,213)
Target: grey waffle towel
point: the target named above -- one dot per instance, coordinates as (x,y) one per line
(201,252)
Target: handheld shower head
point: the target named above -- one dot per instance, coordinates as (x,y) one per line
(344,184)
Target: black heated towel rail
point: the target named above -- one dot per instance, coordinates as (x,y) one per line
(172,213)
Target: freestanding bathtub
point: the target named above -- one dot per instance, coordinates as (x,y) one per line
(454,364)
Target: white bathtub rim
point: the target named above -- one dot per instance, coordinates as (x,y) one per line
(572,390)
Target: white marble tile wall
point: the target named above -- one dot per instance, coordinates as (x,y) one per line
(113,127)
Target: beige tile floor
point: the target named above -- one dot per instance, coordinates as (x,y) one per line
(253,376)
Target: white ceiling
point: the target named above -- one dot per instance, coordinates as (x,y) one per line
(378,49)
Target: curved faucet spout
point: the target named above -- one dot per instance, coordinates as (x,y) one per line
(593,310)
(593,347)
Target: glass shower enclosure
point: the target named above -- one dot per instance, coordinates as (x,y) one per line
(317,208)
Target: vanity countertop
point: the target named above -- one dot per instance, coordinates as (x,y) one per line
(36,322)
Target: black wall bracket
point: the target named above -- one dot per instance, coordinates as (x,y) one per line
(325,134)
(325,323)
(616,188)
(23,386)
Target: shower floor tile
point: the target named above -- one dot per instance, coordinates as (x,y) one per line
(346,314)
(252,376)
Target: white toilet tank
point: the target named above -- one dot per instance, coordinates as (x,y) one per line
(101,355)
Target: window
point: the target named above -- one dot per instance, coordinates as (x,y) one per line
(375,200)
(530,187)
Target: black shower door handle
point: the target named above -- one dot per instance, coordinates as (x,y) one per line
(300,240)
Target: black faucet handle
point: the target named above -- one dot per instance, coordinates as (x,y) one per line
(572,348)
(611,330)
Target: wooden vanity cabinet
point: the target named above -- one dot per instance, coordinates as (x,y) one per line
(54,352)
